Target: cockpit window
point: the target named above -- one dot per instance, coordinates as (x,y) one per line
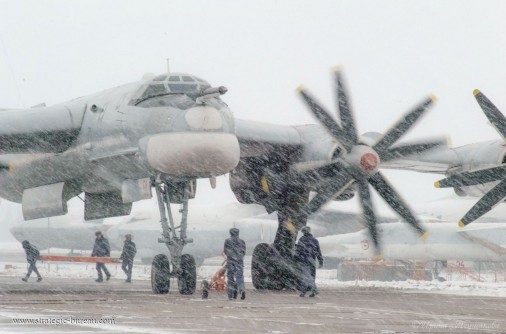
(179,101)
(153,90)
(164,85)
(182,88)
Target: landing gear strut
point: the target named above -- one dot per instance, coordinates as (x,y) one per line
(183,265)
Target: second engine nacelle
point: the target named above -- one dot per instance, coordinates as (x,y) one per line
(479,156)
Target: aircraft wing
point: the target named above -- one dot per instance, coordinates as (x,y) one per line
(257,138)
(51,129)
(438,161)
(418,166)
(483,242)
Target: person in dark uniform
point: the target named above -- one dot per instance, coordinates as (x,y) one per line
(235,249)
(101,248)
(306,253)
(32,255)
(127,256)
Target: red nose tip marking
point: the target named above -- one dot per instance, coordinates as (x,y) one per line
(368,161)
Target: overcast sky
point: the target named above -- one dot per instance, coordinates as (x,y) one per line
(393,53)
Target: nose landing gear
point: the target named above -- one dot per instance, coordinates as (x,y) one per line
(183,265)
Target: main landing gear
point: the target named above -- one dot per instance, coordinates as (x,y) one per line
(183,265)
(273,266)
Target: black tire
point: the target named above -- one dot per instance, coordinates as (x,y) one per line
(187,281)
(160,274)
(268,269)
(280,275)
(261,266)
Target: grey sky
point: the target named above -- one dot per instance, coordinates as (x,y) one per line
(393,54)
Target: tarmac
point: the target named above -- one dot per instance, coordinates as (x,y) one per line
(119,307)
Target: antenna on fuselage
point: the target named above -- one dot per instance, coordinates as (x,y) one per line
(168,66)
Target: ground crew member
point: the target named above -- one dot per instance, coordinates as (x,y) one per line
(235,249)
(32,255)
(306,253)
(101,248)
(127,256)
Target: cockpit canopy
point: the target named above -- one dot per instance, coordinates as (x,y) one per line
(166,85)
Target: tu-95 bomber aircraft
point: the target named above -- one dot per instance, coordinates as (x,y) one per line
(165,132)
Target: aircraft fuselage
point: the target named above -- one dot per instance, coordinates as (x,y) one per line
(130,132)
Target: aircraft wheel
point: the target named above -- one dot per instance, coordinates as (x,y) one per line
(187,281)
(160,274)
(259,269)
(263,270)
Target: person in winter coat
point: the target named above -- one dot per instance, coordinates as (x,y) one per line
(101,248)
(32,255)
(306,253)
(235,249)
(127,256)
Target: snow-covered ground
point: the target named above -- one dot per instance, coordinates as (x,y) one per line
(463,288)
(15,267)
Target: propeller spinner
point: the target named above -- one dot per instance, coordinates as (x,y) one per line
(360,163)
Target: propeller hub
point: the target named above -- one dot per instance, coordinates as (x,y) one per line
(369,162)
(365,158)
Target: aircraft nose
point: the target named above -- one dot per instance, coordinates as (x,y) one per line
(204,118)
(198,154)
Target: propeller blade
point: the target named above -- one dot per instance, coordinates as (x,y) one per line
(368,209)
(345,111)
(387,192)
(307,166)
(485,204)
(493,114)
(402,126)
(472,178)
(320,172)
(324,118)
(401,151)
(325,194)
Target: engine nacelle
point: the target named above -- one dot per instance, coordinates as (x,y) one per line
(266,179)
(479,156)
(246,182)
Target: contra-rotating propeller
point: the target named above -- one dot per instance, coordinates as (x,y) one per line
(359,163)
(498,193)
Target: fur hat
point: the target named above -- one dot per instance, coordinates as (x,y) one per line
(234,232)
(306,230)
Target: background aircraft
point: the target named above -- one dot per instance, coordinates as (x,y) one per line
(482,242)
(209,228)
